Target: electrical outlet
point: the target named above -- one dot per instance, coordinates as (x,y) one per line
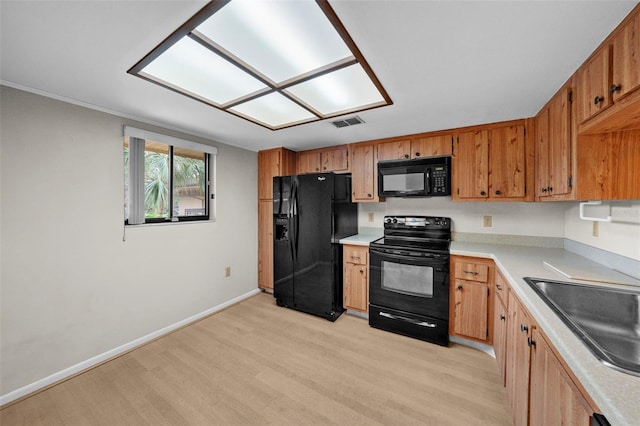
(596,229)
(486,222)
(370,217)
(227,271)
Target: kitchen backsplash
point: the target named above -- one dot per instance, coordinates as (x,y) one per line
(557,220)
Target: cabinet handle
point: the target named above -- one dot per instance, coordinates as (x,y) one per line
(550,188)
(597,100)
(614,88)
(362,271)
(544,189)
(417,154)
(460,287)
(523,328)
(502,317)
(530,341)
(324,168)
(483,193)
(368,195)
(498,287)
(406,156)
(471,272)
(498,192)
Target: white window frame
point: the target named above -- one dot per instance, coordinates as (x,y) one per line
(136,174)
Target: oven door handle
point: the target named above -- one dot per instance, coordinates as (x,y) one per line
(409,320)
(437,257)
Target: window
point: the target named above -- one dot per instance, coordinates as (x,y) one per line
(166,179)
(275,63)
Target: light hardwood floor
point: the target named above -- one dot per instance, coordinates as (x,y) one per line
(256,363)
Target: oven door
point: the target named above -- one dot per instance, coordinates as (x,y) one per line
(411,281)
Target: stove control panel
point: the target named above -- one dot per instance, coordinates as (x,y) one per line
(430,222)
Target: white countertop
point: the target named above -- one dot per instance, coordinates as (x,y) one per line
(361,239)
(617,394)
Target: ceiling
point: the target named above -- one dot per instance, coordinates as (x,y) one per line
(445,64)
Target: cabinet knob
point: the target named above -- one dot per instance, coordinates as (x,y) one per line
(406,156)
(523,328)
(369,195)
(324,168)
(499,287)
(460,287)
(614,88)
(483,193)
(362,271)
(544,189)
(550,188)
(502,317)
(530,341)
(498,192)
(597,100)
(417,154)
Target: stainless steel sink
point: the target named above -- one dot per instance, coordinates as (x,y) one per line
(606,319)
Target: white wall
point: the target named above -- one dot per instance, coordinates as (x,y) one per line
(537,219)
(70,287)
(621,236)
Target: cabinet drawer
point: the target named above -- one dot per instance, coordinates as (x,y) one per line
(356,254)
(472,271)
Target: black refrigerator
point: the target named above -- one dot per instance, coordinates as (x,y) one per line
(312,213)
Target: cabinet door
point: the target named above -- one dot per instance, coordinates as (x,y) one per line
(356,287)
(626,59)
(363,174)
(471,309)
(265,244)
(507,168)
(471,168)
(397,150)
(500,336)
(431,146)
(593,84)
(268,167)
(335,160)
(555,399)
(518,359)
(542,153)
(559,169)
(309,162)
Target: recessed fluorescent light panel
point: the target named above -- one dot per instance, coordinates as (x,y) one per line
(275,63)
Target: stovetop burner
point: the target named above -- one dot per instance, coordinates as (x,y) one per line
(424,233)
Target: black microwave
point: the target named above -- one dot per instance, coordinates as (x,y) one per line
(422,177)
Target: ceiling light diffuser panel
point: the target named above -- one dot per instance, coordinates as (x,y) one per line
(276,63)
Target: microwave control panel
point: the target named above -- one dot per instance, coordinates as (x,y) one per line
(440,177)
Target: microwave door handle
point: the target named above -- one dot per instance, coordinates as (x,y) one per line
(428,180)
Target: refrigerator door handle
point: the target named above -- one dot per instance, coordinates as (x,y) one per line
(296,218)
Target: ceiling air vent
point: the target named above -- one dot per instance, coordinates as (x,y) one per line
(352,121)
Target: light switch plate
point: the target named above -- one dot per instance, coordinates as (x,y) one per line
(487,222)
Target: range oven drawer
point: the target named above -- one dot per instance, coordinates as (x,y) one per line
(417,326)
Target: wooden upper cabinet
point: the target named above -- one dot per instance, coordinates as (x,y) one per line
(309,162)
(626,59)
(364,185)
(418,147)
(594,83)
(431,146)
(334,159)
(559,155)
(471,165)
(394,150)
(507,162)
(273,162)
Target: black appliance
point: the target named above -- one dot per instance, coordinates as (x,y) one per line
(422,177)
(409,278)
(312,213)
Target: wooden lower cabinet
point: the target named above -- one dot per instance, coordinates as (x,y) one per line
(470,306)
(265,244)
(554,398)
(356,278)
(540,389)
(500,324)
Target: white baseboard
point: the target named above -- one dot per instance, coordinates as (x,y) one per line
(91,362)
